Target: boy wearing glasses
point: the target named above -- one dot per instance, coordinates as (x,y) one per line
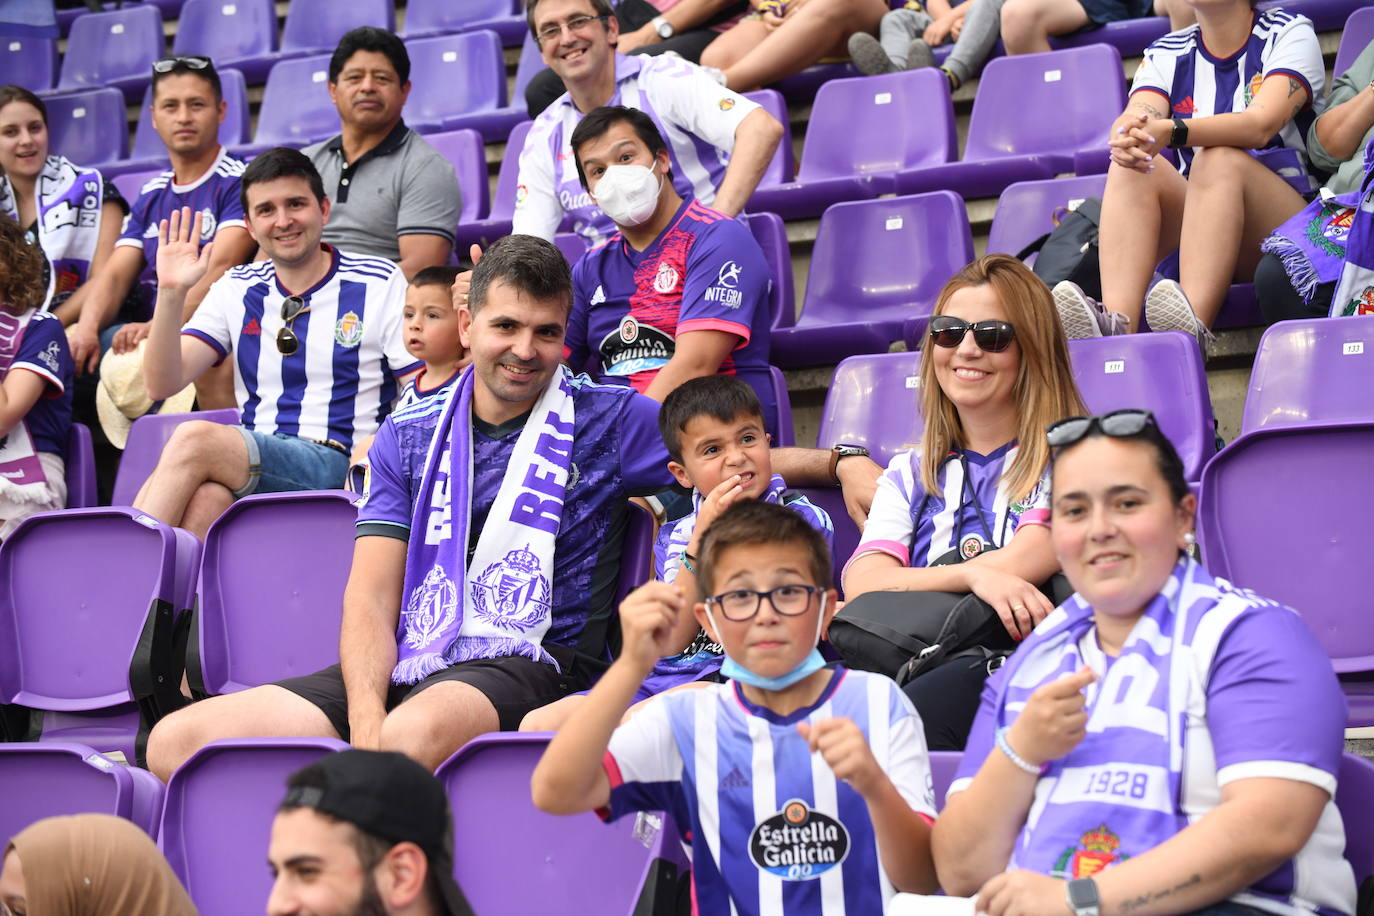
(316,337)
(803,788)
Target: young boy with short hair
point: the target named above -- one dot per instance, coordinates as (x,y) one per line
(431,334)
(803,788)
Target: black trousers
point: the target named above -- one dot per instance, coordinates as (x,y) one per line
(1278,301)
(947,699)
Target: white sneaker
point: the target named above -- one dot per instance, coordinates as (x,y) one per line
(1082,316)
(1167,309)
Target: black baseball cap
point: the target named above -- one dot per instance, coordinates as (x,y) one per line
(391,797)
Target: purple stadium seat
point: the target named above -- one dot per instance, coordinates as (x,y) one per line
(130,184)
(115,49)
(241,34)
(1355,799)
(452,76)
(28,62)
(1025,210)
(831,499)
(802,87)
(862,132)
(93,647)
(572,245)
(772,238)
(1130,37)
(1161,372)
(637,554)
(1319,566)
(1313,370)
(80,468)
(785,435)
(315,26)
(217,818)
(496,124)
(874,401)
(437,17)
(488,786)
(148,151)
(465,150)
(781,167)
(88,126)
(147,436)
(296,110)
(497,222)
(875,264)
(282,620)
(1358,33)
(943,766)
(53,778)
(1326,15)
(1031,114)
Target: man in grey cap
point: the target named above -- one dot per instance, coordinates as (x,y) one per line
(364,833)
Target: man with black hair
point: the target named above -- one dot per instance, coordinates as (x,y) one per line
(394,196)
(362,833)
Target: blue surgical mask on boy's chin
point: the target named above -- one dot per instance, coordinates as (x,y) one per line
(812,663)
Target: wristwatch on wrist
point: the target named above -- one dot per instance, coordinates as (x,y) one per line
(663,27)
(1083,898)
(1179,139)
(843,451)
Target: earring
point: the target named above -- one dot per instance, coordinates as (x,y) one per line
(1189,539)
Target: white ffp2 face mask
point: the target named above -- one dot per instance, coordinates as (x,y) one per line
(628,194)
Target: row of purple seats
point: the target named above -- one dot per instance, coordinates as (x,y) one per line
(1313,371)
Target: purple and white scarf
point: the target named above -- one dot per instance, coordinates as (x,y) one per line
(1355,291)
(1116,794)
(502,603)
(69,209)
(21,474)
(1311,244)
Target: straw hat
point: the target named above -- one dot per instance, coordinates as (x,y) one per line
(121,397)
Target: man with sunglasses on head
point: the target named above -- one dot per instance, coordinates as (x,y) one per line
(188,109)
(721,142)
(316,337)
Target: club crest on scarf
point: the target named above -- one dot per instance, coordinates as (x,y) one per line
(512,594)
(432,609)
(1097,849)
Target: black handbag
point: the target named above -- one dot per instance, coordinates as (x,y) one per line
(1069,252)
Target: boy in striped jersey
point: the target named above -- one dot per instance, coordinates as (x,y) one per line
(803,788)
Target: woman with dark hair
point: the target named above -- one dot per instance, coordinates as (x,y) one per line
(1164,742)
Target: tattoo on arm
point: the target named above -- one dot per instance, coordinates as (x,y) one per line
(1146,108)
(1144,900)
(1294,86)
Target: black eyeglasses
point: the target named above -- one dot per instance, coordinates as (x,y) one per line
(190,61)
(292,307)
(575,24)
(742,603)
(1119,424)
(990,336)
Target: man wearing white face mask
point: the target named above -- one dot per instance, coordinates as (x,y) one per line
(680,291)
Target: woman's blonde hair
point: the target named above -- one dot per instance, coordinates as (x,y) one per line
(1044,388)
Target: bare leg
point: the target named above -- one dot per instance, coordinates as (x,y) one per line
(434,723)
(1216,248)
(819,29)
(215,387)
(733,44)
(1142,215)
(1028,24)
(198,452)
(550,718)
(207,504)
(262,712)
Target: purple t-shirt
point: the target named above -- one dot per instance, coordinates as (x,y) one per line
(617,453)
(44,351)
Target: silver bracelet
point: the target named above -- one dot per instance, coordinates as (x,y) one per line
(1017,760)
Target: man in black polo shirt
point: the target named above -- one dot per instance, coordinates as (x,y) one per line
(394,196)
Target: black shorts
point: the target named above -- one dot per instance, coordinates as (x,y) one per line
(513,684)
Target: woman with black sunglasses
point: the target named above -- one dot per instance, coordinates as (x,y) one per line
(966,511)
(1164,742)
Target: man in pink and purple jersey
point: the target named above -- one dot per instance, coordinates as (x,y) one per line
(680,291)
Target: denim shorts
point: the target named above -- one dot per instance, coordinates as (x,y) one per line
(278,463)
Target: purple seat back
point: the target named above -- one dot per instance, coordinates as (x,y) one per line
(874,401)
(488,786)
(572,245)
(227,31)
(464,149)
(234,130)
(428,16)
(637,554)
(131,183)
(943,766)
(1358,33)
(1055,102)
(453,75)
(531,62)
(217,818)
(112,48)
(772,238)
(80,468)
(885,259)
(1163,373)
(1355,799)
(28,62)
(879,124)
(147,436)
(1312,370)
(1319,565)
(313,26)
(53,778)
(296,110)
(785,435)
(831,499)
(282,620)
(88,127)
(503,202)
(1025,210)
(1130,37)
(780,168)
(1326,15)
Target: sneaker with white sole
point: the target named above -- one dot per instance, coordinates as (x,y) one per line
(1167,309)
(1082,316)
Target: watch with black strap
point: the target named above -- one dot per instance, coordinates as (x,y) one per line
(1179,138)
(844,451)
(1083,899)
